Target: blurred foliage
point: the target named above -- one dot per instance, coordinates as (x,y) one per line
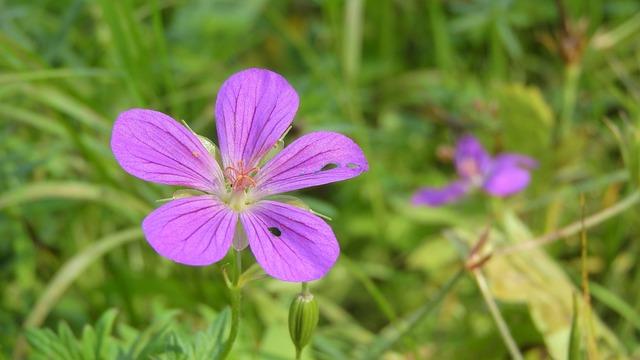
(557,80)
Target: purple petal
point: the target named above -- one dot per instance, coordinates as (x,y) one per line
(291,244)
(440,196)
(509,174)
(512,159)
(253,109)
(314,159)
(154,147)
(471,158)
(192,231)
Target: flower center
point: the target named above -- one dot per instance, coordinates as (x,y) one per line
(469,168)
(240,178)
(238,201)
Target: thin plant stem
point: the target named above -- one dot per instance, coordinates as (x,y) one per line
(497,316)
(572,228)
(395,331)
(592,348)
(305,288)
(238,256)
(569,95)
(234,291)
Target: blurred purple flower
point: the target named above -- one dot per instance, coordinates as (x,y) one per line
(253,110)
(500,176)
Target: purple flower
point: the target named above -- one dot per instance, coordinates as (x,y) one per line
(503,175)
(253,110)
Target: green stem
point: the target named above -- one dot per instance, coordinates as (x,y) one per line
(569,94)
(305,288)
(235,293)
(497,317)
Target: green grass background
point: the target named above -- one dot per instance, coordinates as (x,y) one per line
(403,78)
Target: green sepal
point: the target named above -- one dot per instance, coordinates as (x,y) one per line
(277,147)
(209,145)
(297,202)
(181,194)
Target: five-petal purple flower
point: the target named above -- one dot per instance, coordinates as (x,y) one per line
(500,176)
(254,108)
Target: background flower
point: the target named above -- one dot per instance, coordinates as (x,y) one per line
(500,176)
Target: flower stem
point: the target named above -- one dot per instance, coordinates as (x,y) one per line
(305,288)
(235,293)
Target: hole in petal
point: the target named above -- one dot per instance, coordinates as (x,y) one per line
(275,231)
(353,166)
(329,166)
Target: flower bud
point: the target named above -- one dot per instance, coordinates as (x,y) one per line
(303,318)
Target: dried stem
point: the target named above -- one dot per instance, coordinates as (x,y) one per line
(572,228)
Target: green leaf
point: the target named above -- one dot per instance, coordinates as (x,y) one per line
(525,118)
(104,327)
(69,341)
(532,277)
(575,337)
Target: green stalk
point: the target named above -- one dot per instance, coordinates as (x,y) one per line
(569,94)
(497,316)
(304,289)
(235,293)
(441,43)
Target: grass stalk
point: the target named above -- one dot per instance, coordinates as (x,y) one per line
(497,316)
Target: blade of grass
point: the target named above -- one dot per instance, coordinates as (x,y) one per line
(392,333)
(441,41)
(615,303)
(497,316)
(69,105)
(52,74)
(123,202)
(378,297)
(575,338)
(38,121)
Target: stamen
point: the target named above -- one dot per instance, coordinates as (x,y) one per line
(239,178)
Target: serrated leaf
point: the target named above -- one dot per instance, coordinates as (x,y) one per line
(216,331)
(38,339)
(104,327)
(71,344)
(88,343)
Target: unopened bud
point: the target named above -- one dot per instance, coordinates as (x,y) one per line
(303,318)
